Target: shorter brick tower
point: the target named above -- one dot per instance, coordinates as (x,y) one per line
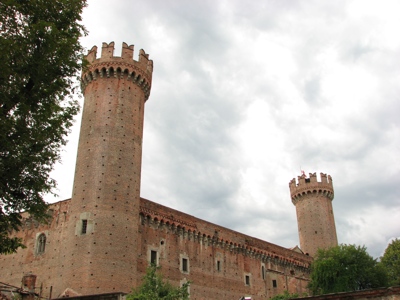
(315,220)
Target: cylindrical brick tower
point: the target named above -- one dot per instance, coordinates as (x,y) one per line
(315,220)
(101,247)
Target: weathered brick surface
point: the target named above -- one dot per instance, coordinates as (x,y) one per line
(48,266)
(107,178)
(313,201)
(172,234)
(101,240)
(390,293)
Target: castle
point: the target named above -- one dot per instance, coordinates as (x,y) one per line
(103,238)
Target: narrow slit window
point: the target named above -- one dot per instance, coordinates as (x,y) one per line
(153,257)
(41,243)
(274,284)
(218,266)
(247,280)
(263,272)
(84,227)
(184,265)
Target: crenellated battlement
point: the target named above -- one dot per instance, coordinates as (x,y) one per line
(306,186)
(124,66)
(201,232)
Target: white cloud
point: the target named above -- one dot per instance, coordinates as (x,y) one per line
(245,95)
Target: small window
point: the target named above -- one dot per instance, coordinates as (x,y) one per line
(84,227)
(263,272)
(41,243)
(153,257)
(218,265)
(185,265)
(274,284)
(247,279)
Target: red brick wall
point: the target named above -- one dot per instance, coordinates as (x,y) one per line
(174,234)
(107,177)
(390,293)
(315,219)
(47,266)
(166,231)
(313,232)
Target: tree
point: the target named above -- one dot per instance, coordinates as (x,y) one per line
(345,268)
(154,288)
(286,296)
(39,59)
(391,262)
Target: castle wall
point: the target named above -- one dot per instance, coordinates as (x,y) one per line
(173,235)
(47,265)
(389,293)
(219,259)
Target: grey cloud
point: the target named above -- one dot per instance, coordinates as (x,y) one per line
(204,82)
(312,91)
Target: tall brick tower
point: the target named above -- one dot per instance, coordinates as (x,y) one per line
(101,246)
(315,220)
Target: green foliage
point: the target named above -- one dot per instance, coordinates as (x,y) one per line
(391,262)
(154,287)
(9,245)
(285,296)
(16,297)
(345,268)
(39,59)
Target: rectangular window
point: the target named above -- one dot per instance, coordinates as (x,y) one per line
(247,280)
(185,265)
(153,257)
(218,265)
(274,284)
(263,272)
(84,226)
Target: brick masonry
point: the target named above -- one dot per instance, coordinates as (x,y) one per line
(173,235)
(315,220)
(390,293)
(103,239)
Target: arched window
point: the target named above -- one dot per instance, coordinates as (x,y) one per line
(41,243)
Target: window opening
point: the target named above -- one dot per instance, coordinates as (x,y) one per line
(247,279)
(218,265)
(274,284)
(41,243)
(263,272)
(84,226)
(153,257)
(184,265)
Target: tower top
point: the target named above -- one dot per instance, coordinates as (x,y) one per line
(108,65)
(305,186)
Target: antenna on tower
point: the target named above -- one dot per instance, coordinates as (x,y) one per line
(302,172)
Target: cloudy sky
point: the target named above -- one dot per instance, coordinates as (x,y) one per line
(244,96)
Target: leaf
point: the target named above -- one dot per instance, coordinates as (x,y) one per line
(154,287)
(345,268)
(39,55)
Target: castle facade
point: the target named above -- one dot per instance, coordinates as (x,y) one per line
(104,237)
